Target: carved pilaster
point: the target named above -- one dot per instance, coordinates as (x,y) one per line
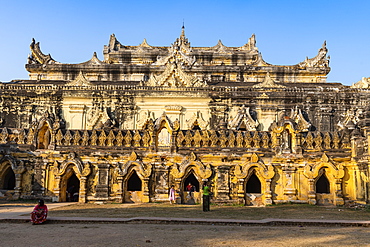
(38,180)
(311,192)
(161,183)
(178,190)
(57,187)
(268,192)
(18,180)
(145,197)
(82,196)
(102,187)
(241,195)
(338,197)
(290,192)
(222,183)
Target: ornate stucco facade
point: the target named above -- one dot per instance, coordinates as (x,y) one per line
(144,118)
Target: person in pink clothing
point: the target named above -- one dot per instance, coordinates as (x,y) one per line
(171,195)
(39,213)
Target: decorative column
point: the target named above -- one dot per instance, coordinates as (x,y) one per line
(145,197)
(119,193)
(57,187)
(178,190)
(241,195)
(268,192)
(338,199)
(311,192)
(290,191)
(161,183)
(297,149)
(18,180)
(38,179)
(222,190)
(82,192)
(102,188)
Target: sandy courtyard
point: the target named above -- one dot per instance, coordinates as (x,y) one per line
(23,234)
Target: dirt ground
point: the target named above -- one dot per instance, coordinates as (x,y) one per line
(24,234)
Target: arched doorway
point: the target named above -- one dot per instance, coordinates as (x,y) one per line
(73,188)
(323,185)
(43,137)
(134,182)
(253,185)
(191,179)
(253,191)
(134,185)
(8,179)
(322,189)
(69,185)
(194,196)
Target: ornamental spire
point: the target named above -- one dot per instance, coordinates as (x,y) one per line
(182,36)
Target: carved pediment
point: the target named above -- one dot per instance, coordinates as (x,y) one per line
(350,118)
(197,120)
(243,120)
(97,117)
(302,124)
(220,48)
(93,61)
(268,83)
(179,52)
(80,81)
(175,76)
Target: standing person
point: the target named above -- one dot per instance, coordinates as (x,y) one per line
(188,189)
(172,196)
(205,197)
(192,190)
(39,213)
(70,192)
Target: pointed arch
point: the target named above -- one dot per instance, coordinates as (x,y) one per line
(67,180)
(191,177)
(143,170)
(203,171)
(7,178)
(71,166)
(253,184)
(125,173)
(163,122)
(322,184)
(133,181)
(43,135)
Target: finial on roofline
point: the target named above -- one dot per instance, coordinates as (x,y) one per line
(183,29)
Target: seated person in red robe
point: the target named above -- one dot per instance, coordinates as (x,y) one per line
(39,213)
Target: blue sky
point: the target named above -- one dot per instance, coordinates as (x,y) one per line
(286,31)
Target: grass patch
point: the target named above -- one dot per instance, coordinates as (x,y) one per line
(281,211)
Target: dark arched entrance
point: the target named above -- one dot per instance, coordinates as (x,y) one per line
(8,179)
(133,188)
(73,188)
(253,184)
(323,185)
(253,191)
(191,179)
(134,182)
